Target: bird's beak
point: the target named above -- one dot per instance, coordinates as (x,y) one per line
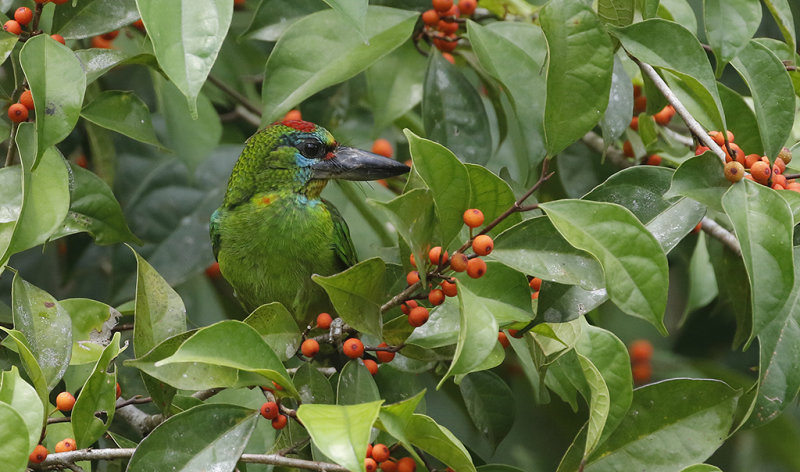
(354,164)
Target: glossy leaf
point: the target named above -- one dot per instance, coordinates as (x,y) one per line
(46,326)
(122,112)
(773,94)
(278,328)
(634,264)
(356,385)
(57,82)
(487,397)
(7,43)
(92,322)
(94,209)
(77,20)
(99,394)
(453,113)
(341,432)
(617,116)
(700,178)
(762,222)
(616,12)
(354,11)
(446,178)
(272,17)
(578,72)
(22,397)
(312,385)
(394,84)
(504,291)
(97,62)
(741,120)
(782,14)
(701,468)
(30,365)
(187,36)
(561,303)
(14,444)
(492,196)
(290,77)
(729,26)
(206,437)
(678,11)
(357,294)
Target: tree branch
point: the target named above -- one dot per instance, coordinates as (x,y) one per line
(715,230)
(614,155)
(234,94)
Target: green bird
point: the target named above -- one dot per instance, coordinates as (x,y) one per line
(273,230)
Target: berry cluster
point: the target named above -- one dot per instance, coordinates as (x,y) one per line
(379,456)
(18,112)
(661,118)
(105,40)
(641,352)
(442,23)
(271,411)
(760,169)
(24,16)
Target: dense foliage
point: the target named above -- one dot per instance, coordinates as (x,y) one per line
(640,306)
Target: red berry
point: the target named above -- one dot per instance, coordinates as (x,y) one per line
(467,7)
(535,284)
(447,27)
(442,5)
(12,27)
(449,58)
(17,113)
(382,147)
(430,17)
(446,44)
(641,350)
(639,104)
(700,150)
(406,464)
(59,38)
(482,245)
(370,465)
(38,455)
(23,15)
(751,159)
(634,123)
(476,268)
(412,277)
(760,171)
(270,410)
(734,171)
(389,466)
(353,348)
(450,288)
(418,316)
(384,356)
(119,390)
(65,401)
(371,366)
(100,43)
(309,348)
(459,262)
(138,24)
(324,320)
(369,450)
(66,445)
(654,160)
(110,36)
(627,149)
(293,115)
(280,422)
(664,116)
(473,217)
(380,452)
(435,254)
(503,339)
(27,99)
(212,271)
(642,373)
(436,297)
(408,306)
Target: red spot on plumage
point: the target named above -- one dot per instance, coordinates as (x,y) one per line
(266,201)
(300,125)
(330,155)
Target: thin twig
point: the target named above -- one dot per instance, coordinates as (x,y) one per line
(713,229)
(11,145)
(400,297)
(614,155)
(791,176)
(234,94)
(122,327)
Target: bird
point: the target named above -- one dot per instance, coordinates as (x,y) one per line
(273,230)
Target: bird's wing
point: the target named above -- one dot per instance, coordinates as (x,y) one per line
(214,232)
(342,243)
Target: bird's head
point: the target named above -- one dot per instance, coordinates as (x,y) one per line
(301,157)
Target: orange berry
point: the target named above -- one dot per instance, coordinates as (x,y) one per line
(212,271)
(65,401)
(664,116)
(634,123)
(38,455)
(778,179)
(369,450)
(370,465)
(473,217)
(734,171)
(277,386)
(408,306)
(459,262)
(535,284)
(27,99)
(627,149)
(66,445)
(371,366)
(430,17)
(17,113)
(449,288)
(412,260)
(467,7)
(59,38)
(353,348)
(697,228)
(483,245)
(476,268)
(23,15)
(637,90)
(384,356)
(641,350)
(293,115)
(639,104)
(110,36)
(418,316)
(785,155)
(310,347)
(535,296)
(380,452)
(436,297)
(138,24)
(653,160)
(514,333)
(442,5)
(100,43)
(642,373)
(412,277)
(503,339)
(324,320)
(700,150)
(270,410)
(751,159)
(447,27)
(778,187)
(452,11)
(717,137)
(119,390)
(280,422)
(446,45)
(794,186)
(406,464)
(761,172)
(779,165)
(383,147)
(435,254)
(389,466)
(12,27)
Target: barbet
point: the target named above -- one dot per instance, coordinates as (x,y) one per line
(273,230)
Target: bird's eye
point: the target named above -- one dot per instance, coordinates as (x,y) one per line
(311,149)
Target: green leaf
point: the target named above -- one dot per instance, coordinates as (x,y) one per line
(290,77)
(492,196)
(356,385)
(762,222)
(535,247)
(773,94)
(124,113)
(57,82)
(14,444)
(341,432)
(272,17)
(669,425)
(700,178)
(487,397)
(354,11)
(394,84)
(782,14)
(186,36)
(7,43)
(92,322)
(504,291)
(94,209)
(22,397)
(97,62)
(514,54)
(729,26)
(599,402)
(616,12)
(453,112)
(357,294)
(635,266)
(313,386)
(741,120)
(99,394)
(701,468)
(30,365)
(46,326)
(77,20)
(206,437)
(734,288)
(578,72)
(561,303)
(617,116)
(250,359)
(692,78)
(446,178)
(278,329)
(678,11)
